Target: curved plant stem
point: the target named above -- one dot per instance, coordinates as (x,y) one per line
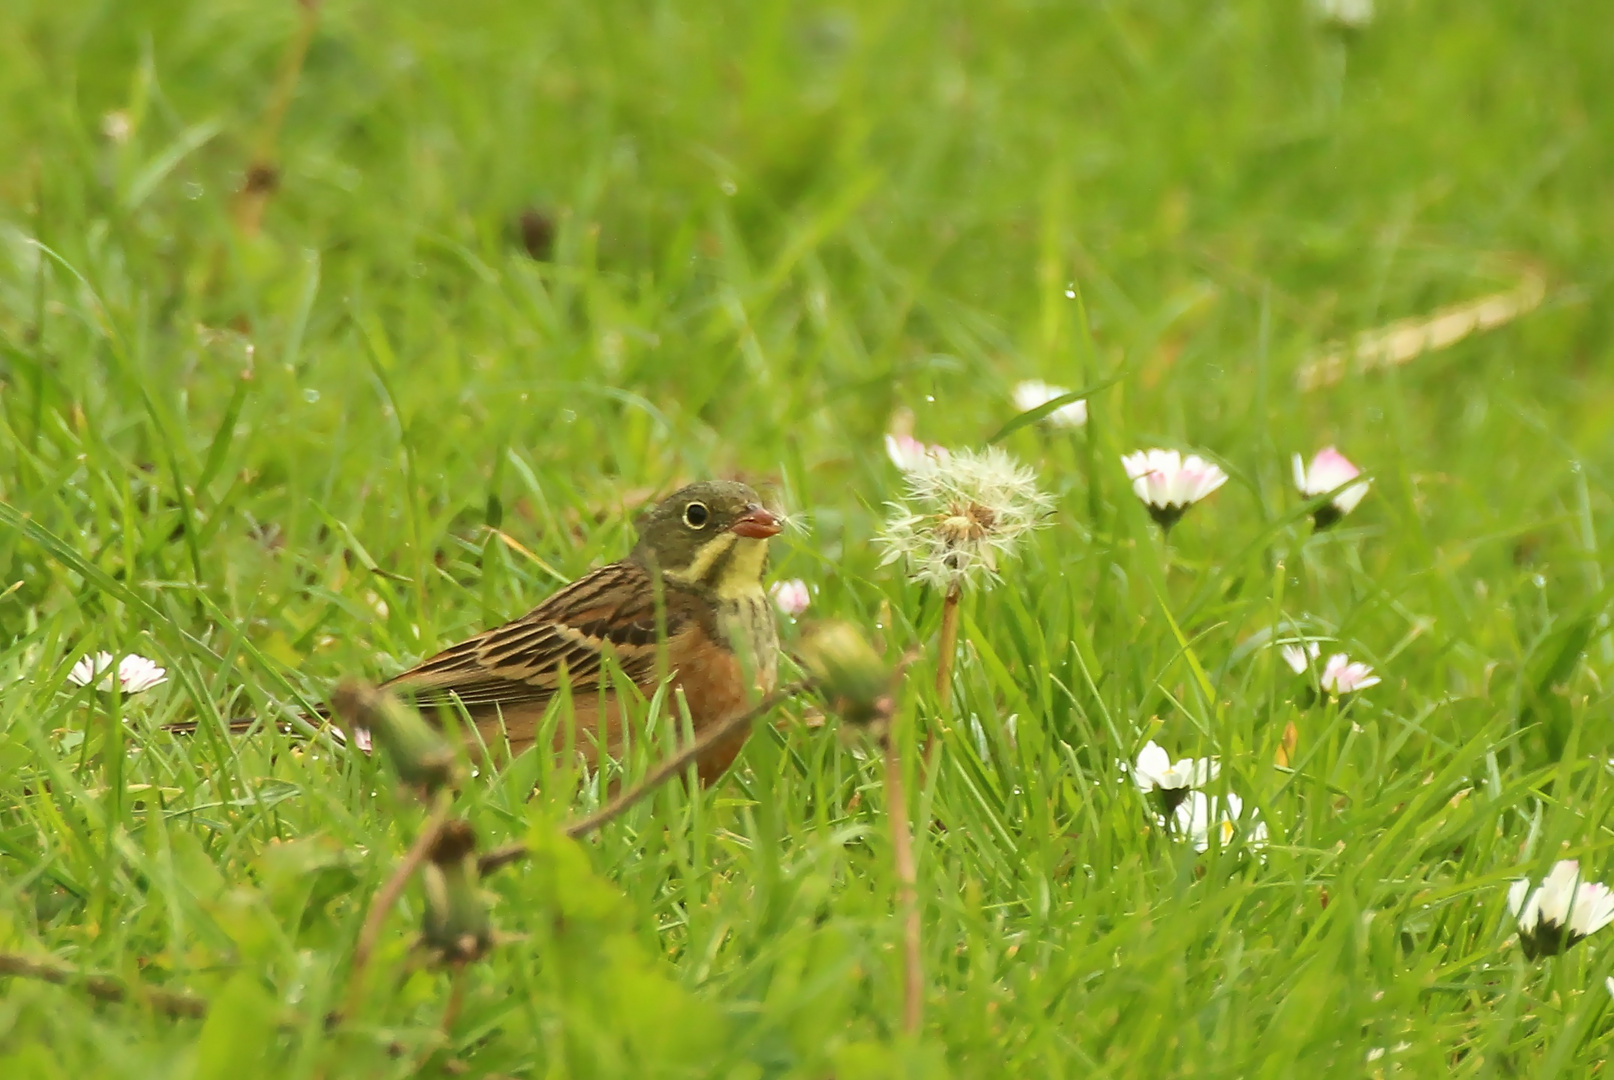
(263,174)
(668,769)
(105,988)
(948,646)
(913,973)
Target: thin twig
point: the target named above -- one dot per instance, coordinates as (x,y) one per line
(913,973)
(502,857)
(948,646)
(668,769)
(105,988)
(456,1002)
(388,895)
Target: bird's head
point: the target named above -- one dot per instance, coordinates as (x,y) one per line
(711,535)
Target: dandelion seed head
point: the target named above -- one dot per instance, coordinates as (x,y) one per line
(964,512)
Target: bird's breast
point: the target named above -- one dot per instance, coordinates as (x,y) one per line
(746,621)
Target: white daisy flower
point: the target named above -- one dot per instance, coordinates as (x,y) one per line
(1299,657)
(966,510)
(1329,471)
(115,126)
(791,597)
(1169,483)
(1200,814)
(1345,14)
(1341,676)
(908,453)
(1155,772)
(1561,912)
(134,673)
(1032,393)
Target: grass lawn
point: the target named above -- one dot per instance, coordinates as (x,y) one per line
(505,271)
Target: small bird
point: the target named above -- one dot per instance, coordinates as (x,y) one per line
(686,604)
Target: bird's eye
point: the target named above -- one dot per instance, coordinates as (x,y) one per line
(696,515)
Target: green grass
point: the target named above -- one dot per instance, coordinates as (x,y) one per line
(267,461)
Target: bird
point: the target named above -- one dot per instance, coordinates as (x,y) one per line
(686,604)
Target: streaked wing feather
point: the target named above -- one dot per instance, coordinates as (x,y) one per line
(612,609)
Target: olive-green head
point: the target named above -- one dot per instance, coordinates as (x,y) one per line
(712,534)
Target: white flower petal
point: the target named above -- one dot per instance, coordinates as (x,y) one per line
(1153,763)
(88,667)
(1516,894)
(1341,676)
(791,597)
(1593,909)
(1033,393)
(137,674)
(1164,478)
(1328,471)
(1558,891)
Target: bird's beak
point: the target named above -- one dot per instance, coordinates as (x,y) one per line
(756,524)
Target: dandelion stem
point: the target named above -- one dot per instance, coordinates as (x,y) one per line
(388,895)
(913,974)
(678,762)
(263,174)
(948,646)
(668,769)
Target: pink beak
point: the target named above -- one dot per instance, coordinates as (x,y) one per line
(756,524)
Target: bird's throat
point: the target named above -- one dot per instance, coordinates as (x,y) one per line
(730,566)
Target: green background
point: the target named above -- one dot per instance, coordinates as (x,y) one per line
(271,458)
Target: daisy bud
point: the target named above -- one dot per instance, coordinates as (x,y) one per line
(457,924)
(1330,471)
(1033,393)
(1169,483)
(855,681)
(417,750)
(791,597)
(1561,912)
(1170,783)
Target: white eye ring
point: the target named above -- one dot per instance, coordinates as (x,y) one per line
(696,515)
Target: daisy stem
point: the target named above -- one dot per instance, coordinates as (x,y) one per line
(913,974)
(113,758)
(948,647)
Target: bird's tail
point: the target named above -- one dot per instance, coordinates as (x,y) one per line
(241,725)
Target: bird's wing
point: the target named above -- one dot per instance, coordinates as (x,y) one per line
(612,610)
